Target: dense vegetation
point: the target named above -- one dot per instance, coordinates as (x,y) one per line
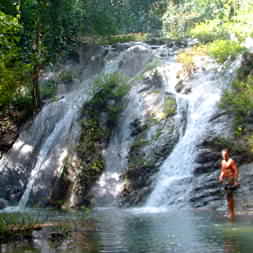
(223,29)
(36,33)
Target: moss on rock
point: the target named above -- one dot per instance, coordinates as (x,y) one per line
(170,106)
(98,118)
(237,102)
(146,154)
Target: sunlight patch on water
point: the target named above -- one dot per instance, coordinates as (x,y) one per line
(10,209)
(147,210)
(17,209)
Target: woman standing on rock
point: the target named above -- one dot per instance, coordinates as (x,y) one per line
(229,177)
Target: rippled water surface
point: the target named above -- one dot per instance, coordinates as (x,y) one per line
(142,230)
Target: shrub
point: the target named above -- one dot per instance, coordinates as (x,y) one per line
(237,146)
(23,102)
(222,49)
(66,76)
(110,85)
(240,26)
(177,20)
(170,107)
(108,91)
(187,57)
(126,38)
(16,221)
(240,30)
(48,89)
(239,102)
(209,31)
(99,116)
(113,39)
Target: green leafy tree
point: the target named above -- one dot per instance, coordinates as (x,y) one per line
(13,72)
(47,30)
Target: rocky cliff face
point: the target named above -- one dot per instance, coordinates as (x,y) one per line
(207,190)
(163,147)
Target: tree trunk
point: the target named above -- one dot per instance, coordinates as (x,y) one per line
(35,87)
(36,69)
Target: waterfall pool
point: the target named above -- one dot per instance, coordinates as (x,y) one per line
(140,230)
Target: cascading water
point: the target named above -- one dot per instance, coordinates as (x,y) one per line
(173,184)
(129,62)
(201,107)
(38,154)
(41,149)
(194,111)
(55,148)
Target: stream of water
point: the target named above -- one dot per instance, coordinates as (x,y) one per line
(144,230)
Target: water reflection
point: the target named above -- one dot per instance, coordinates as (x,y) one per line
(141,230)
(231,246)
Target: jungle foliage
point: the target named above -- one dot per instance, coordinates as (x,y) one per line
(204,18)
(35,33)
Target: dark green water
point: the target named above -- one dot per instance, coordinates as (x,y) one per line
(142,231)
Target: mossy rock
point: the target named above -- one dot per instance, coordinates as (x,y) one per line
(66,76)
(170,106)
(106,103)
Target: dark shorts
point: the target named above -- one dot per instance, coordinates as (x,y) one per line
(230,188)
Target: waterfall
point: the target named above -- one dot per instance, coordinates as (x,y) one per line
(37,157)
(109,185)
(179,165)
(39,152)
(130,62)
(173,183)
(55,148)
(194,111)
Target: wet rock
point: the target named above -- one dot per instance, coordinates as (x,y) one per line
(153,79)
(207,156)
(206,190)
(134,59)
(3,203)
(244,194)
(179,86)
(136,127)
(187,90)
(183,87)
(7,141)
(145,156)
(204,168)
